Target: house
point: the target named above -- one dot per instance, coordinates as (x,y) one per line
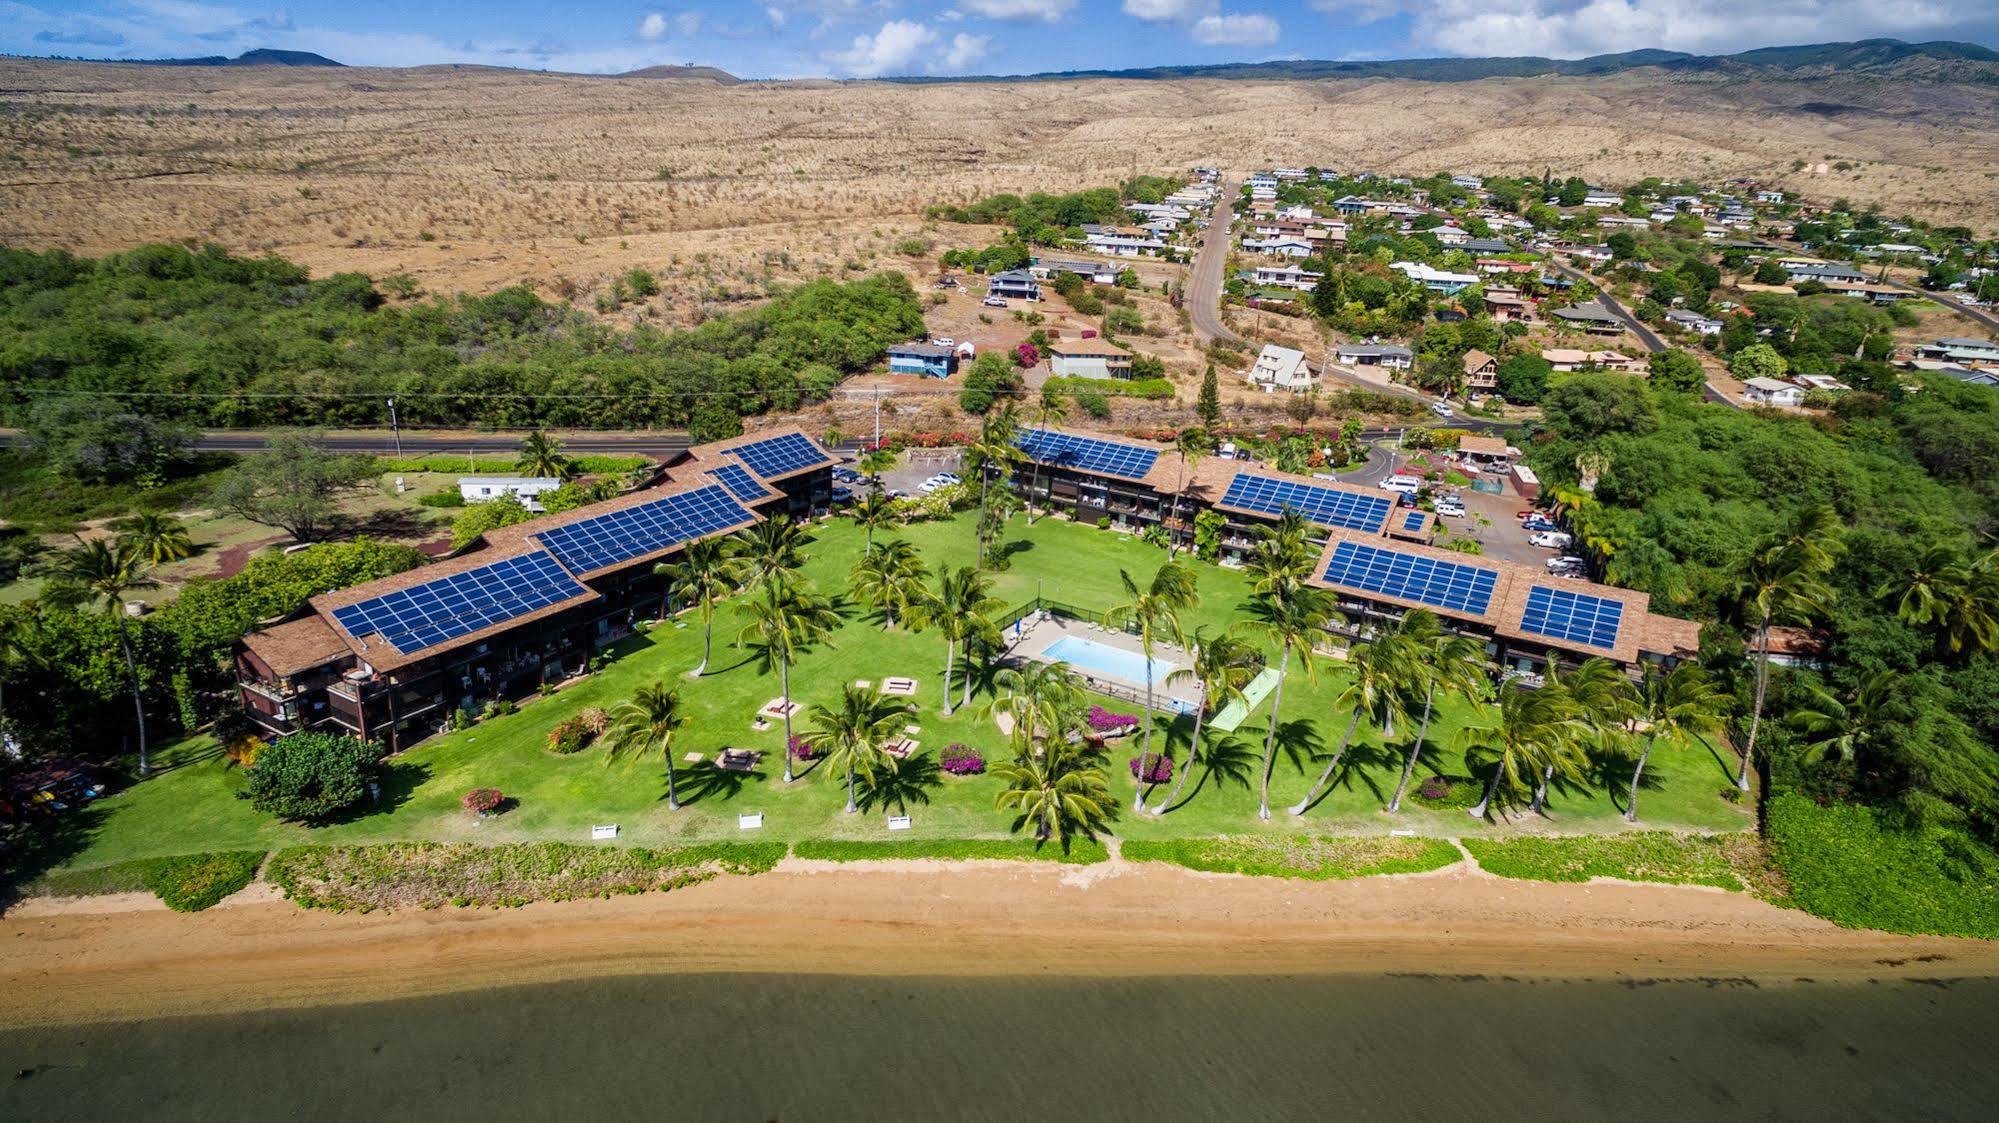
(1960,350)
(1263,179)
(1504,304)
(1485,245)
(1800,271)
(1095,272)
(1873,294)
(1486,454)
(1449,235)
(1693,322)
(1436,280)
(1824,382)
(1088,358)
(1121,242)
(1470,182)
(1623,222)
(1014,284)
(1287,276)
(929,360)
(1280,247)
(1353,204)
(1603,199)
(1281,368)
(1769,196)
(1567,360)
(1595,255)
(1769,391)
(1591,317)
(1374,355)
(479,489)
(1481,371)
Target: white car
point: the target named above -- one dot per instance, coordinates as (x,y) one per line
(1402,485)
(994,302)
(1551,540)
(949,477)
(1442,410)
(1567,561)
(930,485)
(1451,508)
(945,341)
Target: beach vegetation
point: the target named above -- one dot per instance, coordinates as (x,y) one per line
(435,874)
(1720,861)
(1310,857)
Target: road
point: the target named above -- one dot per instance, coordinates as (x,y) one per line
(1646,336)
(1204,284)
(383,443)
(1990,321)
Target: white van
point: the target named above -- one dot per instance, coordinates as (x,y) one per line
(1402,485)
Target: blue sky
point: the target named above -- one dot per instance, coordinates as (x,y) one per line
(871,38)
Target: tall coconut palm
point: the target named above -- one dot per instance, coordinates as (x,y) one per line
(874,511)
(1193,445)
(1845,727)
(1041,700)
(960,607)
(854,738)
(1957,601)
(643,722)
(891,580)
(1062,792)
(1445,662)
(1286,613)
(21,639)
(706,571)
(98,573)
(1529,729)
(1682,702)
(1223,666)
(772,552)
(1154,610)
(993,454)
(157,538)
(541,455)
(780,628)
(874,463)
(1051,409)
(1380,670)
(1784,583)
(1605,703)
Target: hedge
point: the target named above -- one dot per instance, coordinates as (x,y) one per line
(1848,864)
(1320,858)
(1080,852)
(431,874)
(1676,859)
(1153,388)
(186,883)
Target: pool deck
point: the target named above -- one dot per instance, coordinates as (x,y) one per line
(1039,632)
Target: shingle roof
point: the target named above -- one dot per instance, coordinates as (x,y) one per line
(297,645)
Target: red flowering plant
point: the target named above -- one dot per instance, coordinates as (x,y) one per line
(1152,768)
(483,801)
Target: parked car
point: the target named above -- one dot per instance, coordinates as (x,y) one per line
(1566,561)
(930,485)
(994,302)
(1402,485)
(945,341)
(1441,410)
(1536,525)
(846,475)
(949,477)
(1451,506)
(842,494)
(1551,540)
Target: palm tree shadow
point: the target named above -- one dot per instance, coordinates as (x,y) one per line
(1229,760)
(1727,764)
(911,781)
(707,781)
(1359,755)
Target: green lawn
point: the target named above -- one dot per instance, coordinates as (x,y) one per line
(192,806)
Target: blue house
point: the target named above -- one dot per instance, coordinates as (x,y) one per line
(929,360)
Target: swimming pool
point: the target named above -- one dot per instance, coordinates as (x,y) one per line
(1091,657)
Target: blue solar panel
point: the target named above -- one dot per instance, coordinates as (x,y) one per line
(1441,584)
(1326,506)
(780,456)
(1087,454)
(606,540)
(1576,617)
(426,615)
(1412,521)
(739,482)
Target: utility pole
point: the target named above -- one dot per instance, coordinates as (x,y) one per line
(395,428)
(878,415)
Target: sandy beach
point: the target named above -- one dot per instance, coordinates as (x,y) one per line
(118,958)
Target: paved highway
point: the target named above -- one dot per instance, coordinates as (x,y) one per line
(1986,318)
(1204,284)
(419,443)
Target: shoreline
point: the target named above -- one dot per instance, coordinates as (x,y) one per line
(66,964)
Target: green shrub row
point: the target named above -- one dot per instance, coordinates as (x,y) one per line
(185,883)
(1317,858)
(1080,852)
(499,466)
(1153,388)
(1849,865)
(1678,859)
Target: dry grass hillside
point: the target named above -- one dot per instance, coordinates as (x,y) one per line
(473,178)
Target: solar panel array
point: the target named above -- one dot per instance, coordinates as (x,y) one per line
(608,539)
(740,483)
(1440,584)
(1577,617)
(1412,521)
(426,615)
(1087,454)
(780,455)
(1327,506)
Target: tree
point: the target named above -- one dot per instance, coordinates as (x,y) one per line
(1155,611)
(1771,273)
(783,625)
(706,571)
(873,511)
(890,580)
(991,377)
(959,609)
(1040,699)
(876,461)
(1062,792)
(1604,704)
(98,573)
(90,441)
(1442,661)
(1223,666)
(1193,445)
(1523,379)
(1958,602)
(1050,410)
(1573,191)
(1677,371)
(855,736)
(1682,702)
(1846,727)
(993,455)
(1531,729)
(645,721)
(1586,406)
(311,777)
(541,455)
(1784,582)
(1379,669)
(487,515)
(157,538)
(1758,360)
(1209,406)
(292,486)
(771,552)
(1288,614)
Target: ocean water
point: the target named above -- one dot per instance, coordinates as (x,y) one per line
(810,1048)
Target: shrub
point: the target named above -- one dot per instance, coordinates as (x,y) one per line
(311,777)
(1681,859)
(1850,865)
(799,749)
(1316,858)
(193,882)
(1081,851)
(595,719)
(962,760)
(1152,768)
(442,499)
(483,801)
(1104,721)
(1447,792)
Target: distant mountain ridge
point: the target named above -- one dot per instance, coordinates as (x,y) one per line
(1888,58)
(261,56)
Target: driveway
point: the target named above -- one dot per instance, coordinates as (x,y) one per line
(1204,283)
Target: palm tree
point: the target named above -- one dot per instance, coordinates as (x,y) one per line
(854,736)
(780,629)
(1041,699)
(96,572)
(873,511)
(874,462)
(1193,445)
(706,571)
(890,579)
(1605,704)
(959,608)
(1444,661)
(1784,583)
(1291,621)
(1062,792)
(1223,666)
(993,453)
(541,455)
(1959,601)
(1678,703)
(1830,724)
(1380,669)
(1155,611)
(1051,410)
(1532,727)
(772,552)
(20,636)
(647,719)
(157,538)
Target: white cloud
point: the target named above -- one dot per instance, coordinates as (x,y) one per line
(894,49)
(1168,11)
(965,50)
(653,26)
(1048,11)
(1235,29)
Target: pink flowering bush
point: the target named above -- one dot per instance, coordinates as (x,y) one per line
(483,801)
(1104,721)
(1152,768)
(962,760)
(1026,355)
(799,749)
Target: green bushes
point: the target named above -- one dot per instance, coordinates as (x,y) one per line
(1847,864)
(312,777)
(1157,389)
(1679,859)
(1322,858)
(1080,852)
(442,499)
